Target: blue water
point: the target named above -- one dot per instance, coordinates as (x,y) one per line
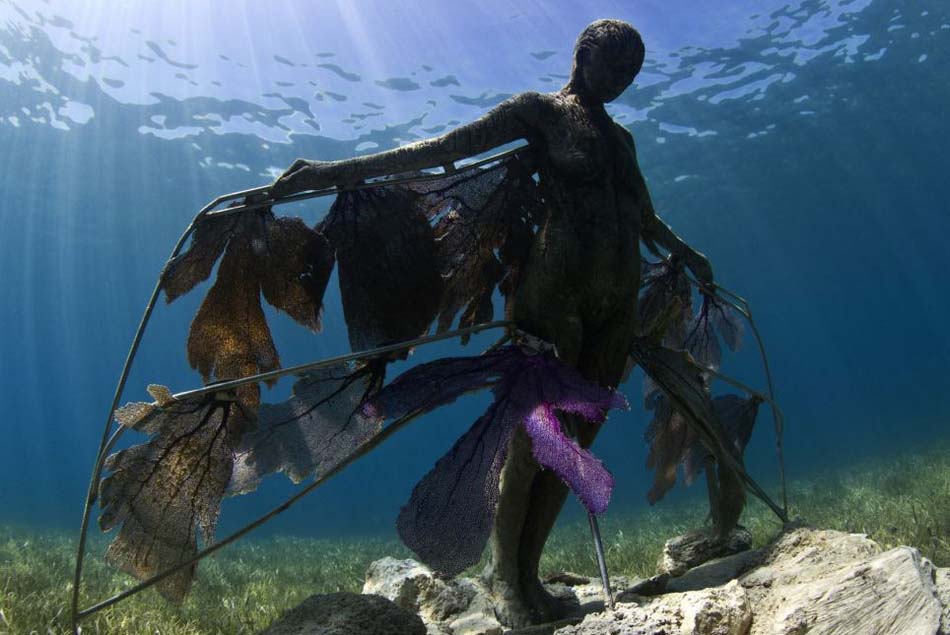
(801,145)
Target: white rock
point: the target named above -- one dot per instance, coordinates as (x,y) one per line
(345,614)
(830,583)
(689,550)
(942,580)
(723,610)
(414,586)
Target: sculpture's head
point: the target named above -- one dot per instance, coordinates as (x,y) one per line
(607,56)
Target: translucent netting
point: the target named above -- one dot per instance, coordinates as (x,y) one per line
(389,273)
(737,416)
(483,222)
(714,318)
(162,491)
(449,516)
(310,433)
(280,258)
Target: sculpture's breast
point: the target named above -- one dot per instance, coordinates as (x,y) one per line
(577,149)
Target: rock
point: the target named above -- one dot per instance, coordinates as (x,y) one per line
(414,586)
(715,572)
(942,581)
(824,583)
(590,591)
(346,614)
(806,581)
(689,550)
(723,610)
(475,624)
(479,617)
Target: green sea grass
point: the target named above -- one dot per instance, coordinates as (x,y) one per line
(901,500)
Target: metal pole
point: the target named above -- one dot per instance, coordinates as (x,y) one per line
(601,561)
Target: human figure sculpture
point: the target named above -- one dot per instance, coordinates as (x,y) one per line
(580,285)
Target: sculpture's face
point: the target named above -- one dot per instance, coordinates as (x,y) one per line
(607,73)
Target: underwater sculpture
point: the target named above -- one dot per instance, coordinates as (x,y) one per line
(564,251)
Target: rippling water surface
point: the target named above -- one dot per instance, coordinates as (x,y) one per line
(801,145)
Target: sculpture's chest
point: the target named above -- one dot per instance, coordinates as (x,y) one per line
(583,148)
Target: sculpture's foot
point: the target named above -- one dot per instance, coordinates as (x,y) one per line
(521,605)
(546,606)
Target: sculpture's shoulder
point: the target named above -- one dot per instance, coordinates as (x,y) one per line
(531,106)
(625,134)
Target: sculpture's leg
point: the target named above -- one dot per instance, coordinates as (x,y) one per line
(547,497)
(512,575)
(502,574)
(602,359)
(730,501)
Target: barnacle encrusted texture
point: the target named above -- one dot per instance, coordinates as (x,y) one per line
(163,491)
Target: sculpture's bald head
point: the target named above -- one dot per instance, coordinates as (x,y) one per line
(607,57)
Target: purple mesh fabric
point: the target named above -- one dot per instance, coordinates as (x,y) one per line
(449,515)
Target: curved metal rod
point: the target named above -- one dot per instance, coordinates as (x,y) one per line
(340,359)
(117,396)
(412,178)
(777,417)
(371,444)
(106,443)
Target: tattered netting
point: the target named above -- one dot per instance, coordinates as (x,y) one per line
(409,255)
(204,448)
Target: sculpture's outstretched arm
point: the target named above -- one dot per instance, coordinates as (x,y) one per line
(655,232)
(510,120)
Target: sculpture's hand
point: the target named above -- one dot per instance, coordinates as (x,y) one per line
(303,175)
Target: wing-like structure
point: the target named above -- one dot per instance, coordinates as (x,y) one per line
(160,493)
(449,516)
(310,433)
(280,257)
(409,254)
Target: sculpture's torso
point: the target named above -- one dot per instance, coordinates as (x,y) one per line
(583,273)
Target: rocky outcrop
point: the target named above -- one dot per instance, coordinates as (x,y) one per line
(413,586)
(942,580)
(346,614)
(807,581)
(723,610)
(689,550)
(826,582)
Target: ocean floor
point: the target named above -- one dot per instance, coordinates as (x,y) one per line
(899,500)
